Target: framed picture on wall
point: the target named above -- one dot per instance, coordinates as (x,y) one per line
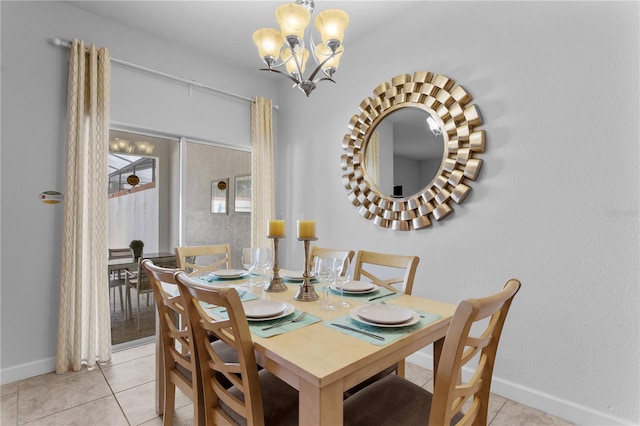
(242,202)
(220,196)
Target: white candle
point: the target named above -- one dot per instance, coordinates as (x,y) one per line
(276,228)
(306,229)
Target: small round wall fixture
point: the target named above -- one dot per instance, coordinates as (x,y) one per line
(377,165)
(133,180)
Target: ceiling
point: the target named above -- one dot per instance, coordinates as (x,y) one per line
(224,29)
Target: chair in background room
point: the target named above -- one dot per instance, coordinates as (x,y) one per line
(395,400)
(257,397)
(116,277)
(195,260)
(140,282)
(328,252)
(177,358)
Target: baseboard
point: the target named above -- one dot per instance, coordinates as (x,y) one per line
(24,371)
(567,410)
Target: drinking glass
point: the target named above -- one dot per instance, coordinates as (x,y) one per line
(343,276)
(249,259)
(264,262)
(325,273)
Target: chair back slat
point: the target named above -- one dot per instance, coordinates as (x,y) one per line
(120,253)
(328,253)
(460,347)
(195,260)
(370,265)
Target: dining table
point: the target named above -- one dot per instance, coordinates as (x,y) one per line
(322,359)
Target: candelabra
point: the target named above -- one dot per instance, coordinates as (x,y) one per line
(306,292)
(276,284)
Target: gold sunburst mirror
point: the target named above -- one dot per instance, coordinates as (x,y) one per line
(384,159)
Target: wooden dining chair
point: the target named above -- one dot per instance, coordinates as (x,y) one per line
(178,359)
(257,397)
(116,277)
(195,260)
(375,267)
(328,252)
(397,401)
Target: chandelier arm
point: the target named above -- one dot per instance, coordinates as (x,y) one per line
(295,58)
(319,67)
(295,80)
(312,47)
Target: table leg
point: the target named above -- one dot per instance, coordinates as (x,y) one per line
(320,406)
(437,352)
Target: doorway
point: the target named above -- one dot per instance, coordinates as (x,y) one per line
(171,205)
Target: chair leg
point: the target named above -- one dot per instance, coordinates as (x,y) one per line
(121,300)
(169,403)
(138,297)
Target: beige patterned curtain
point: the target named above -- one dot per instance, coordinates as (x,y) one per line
(372,161)
(84,329)
(262,172)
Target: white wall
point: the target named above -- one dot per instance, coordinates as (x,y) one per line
(34,86)
(556,204)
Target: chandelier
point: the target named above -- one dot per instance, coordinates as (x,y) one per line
(288,44)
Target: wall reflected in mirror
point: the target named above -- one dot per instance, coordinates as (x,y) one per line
(220,196)
(404,153)
(242,199)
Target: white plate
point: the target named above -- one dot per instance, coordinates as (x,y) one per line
(414,320)
(359,286)
(384,314)
(371,290)
(293,275)
(287,311)
(261,308)
(229,273)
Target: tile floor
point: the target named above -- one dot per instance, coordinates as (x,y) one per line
(122,393)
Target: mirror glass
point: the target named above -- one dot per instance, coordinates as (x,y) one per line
(219,196)
(403,154)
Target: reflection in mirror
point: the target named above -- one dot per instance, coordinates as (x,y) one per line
(220,196)
(403,154)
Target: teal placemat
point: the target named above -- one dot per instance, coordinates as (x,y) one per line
(389,334)
(256,327)
(298,282)
(382,294)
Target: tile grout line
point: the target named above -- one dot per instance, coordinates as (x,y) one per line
(115,397)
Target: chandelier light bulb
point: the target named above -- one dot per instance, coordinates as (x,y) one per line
(293,20)
(269,42)
(292,67)
(331,24)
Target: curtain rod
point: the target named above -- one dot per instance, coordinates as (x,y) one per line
(191,83)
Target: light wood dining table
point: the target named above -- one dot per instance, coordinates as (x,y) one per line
(322,363)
